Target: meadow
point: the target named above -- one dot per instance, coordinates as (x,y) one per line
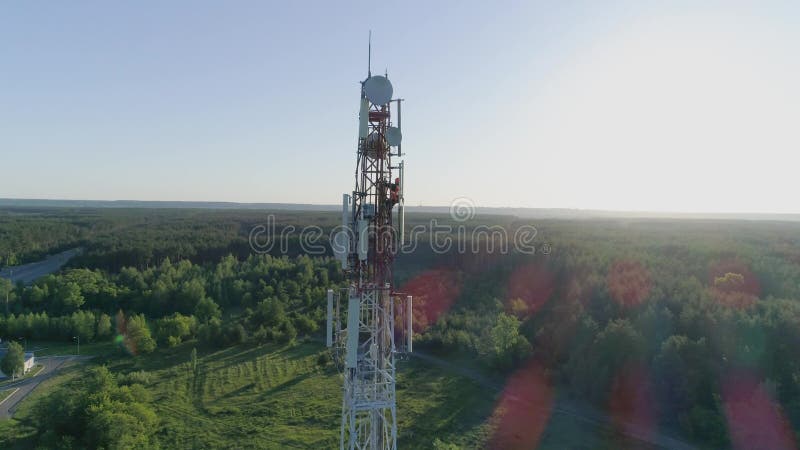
(289,396)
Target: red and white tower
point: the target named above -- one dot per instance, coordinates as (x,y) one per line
(361,318)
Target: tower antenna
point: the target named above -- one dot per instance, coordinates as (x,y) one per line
(369,55)
(361,318)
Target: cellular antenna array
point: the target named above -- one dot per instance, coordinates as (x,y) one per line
(361,329)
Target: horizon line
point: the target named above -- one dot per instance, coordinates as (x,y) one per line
(335,205)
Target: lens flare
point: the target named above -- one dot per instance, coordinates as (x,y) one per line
(632,403)
(754,419)
(122,334)
(434,293)
(529,287)
(628,282)
(524,409)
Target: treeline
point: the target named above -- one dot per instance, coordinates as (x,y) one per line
(113,238)
(262,298)
(627,312)
(85,325)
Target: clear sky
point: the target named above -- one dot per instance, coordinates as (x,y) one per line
(691,106)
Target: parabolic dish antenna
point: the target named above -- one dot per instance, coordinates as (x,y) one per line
(393,136)
(378,90)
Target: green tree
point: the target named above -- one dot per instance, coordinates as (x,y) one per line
(287,332)
(305,325)
(172,330)
(95,412)
(190,293)
(83,325)
(138,334)
(71,297)
(104,328)
(441,445)
(502,344)
(14,360)
(206,310)
(616,346)
(211,333)
(269,312)
(7,293)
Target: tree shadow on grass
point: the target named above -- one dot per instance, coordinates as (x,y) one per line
(236,392)
(463,407)
(236,355)
(282,387)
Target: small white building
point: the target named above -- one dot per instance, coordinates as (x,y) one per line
(29,362)
(27,365)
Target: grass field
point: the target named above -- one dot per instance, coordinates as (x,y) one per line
(274,396)
(280,397)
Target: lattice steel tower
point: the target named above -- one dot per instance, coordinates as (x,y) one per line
(363,335)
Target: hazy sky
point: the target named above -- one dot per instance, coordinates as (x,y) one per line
(630,105)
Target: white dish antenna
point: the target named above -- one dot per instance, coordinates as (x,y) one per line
(393,136)
(378,90)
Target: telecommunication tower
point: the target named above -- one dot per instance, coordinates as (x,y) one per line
(362,318)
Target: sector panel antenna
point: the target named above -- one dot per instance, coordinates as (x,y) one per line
(393,136)
(378,90)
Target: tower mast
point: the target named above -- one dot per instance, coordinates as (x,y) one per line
(363,339)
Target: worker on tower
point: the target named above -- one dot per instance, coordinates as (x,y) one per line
(394,193)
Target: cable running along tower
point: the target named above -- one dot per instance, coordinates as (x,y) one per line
(369,323)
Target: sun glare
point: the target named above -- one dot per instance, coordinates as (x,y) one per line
(673,115)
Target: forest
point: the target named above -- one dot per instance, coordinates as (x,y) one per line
(687,326)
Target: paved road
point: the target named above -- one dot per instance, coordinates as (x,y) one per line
(26,386)
(581,412)
(27,273)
